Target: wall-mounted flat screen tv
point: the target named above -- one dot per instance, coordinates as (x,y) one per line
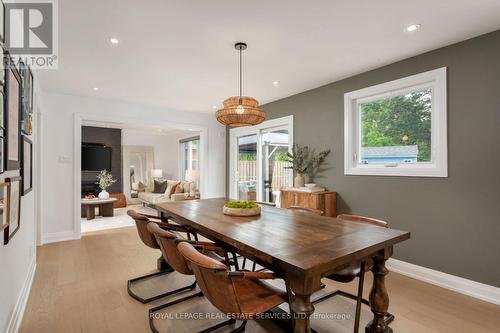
(96,157)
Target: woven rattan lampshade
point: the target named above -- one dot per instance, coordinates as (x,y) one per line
(240,110)
(236,114)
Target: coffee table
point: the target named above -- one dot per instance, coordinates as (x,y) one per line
(105,207)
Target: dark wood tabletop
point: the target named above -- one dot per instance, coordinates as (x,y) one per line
(303,247)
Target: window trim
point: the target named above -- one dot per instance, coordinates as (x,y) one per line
(182,155)
(438,167)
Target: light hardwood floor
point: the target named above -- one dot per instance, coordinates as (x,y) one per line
(80,286)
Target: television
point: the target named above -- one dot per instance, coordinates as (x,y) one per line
(96,157)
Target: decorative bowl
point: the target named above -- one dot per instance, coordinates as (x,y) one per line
(241,208)
(310,185)
(241,211)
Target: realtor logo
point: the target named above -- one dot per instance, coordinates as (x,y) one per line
(30,31)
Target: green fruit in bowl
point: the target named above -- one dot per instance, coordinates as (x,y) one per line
(241,204)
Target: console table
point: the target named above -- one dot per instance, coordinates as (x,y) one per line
(325,201)
(105,207)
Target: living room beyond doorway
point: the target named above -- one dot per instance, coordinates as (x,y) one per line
(131,167)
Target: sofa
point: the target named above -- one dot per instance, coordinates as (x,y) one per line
(175,190)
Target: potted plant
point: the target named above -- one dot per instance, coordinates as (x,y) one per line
(305,161)
(104,180)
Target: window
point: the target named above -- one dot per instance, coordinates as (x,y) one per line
(190,151)
(398,128)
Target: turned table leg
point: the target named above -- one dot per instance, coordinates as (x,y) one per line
(379,299)
(301,306)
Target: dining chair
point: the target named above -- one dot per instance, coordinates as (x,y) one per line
(349,273)
(168,240)
(141,223)
(240,294)
(306,210)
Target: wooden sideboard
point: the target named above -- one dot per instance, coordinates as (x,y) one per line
(325,201)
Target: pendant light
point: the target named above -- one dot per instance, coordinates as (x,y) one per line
(240,110)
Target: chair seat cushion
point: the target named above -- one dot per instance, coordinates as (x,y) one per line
(350,272)
(346,274)
(256,296)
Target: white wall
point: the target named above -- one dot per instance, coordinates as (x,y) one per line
(17,258)
(165,146)
(58,132)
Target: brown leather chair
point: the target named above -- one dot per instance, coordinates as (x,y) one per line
(141,222)
(306,210)
(241,293)
(349,273)
(168,240)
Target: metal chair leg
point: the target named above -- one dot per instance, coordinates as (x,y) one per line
(225,323)
(290,301)
(360,297)
(235,261)
(148,276)
(389,318)
(166,305)
(241,328)
(244,263)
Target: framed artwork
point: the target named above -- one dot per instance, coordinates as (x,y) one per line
(4,218)
(27,165)
(2,21)
(2,68)
(29,84)
(13,208)
(12,114)
(24,75)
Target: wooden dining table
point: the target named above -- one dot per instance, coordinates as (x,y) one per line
(300,247)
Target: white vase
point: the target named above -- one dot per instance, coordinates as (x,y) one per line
(299,181)
(103,195)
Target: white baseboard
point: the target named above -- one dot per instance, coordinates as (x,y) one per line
(59,236)
(464,286)
(18,313)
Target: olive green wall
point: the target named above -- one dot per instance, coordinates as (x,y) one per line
(454,221)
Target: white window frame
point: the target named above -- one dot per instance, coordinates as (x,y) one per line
(438,166)
(182,154)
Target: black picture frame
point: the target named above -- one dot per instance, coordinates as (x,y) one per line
(27,165)
(4,221)
(13,208)
(24,108)
(13,102)
(2,21)
(31,90)
(2,68)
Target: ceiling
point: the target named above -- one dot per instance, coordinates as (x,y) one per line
(152,130)
(179,54)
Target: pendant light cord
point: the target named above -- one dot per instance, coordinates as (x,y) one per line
(240,76)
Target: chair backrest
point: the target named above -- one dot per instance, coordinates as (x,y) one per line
(141,222)
(168,245)
(363,219)
(270,204)
(217,287)
(306,210)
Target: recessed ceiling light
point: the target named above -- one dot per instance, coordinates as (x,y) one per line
(95,89)
(413,27)
(114,40)
(214,106)
(276,83)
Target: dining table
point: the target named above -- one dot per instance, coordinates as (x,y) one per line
(300,247)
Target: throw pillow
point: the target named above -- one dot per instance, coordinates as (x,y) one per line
(141,187)
(183,187)
(160,186)
(171,185)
